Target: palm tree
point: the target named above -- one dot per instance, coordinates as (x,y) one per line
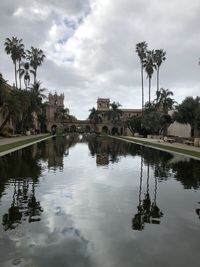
(159,57)
(141,49)
(114,113)
(95,116)
(21,55)
(164,102)
(25,72)
(14,47)
(36,57)
(149,66)
(62,113)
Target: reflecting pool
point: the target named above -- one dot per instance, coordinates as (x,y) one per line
(95,201)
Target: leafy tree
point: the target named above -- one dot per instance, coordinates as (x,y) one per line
(189,112)
(149,66)
(3,91)
(36,57)
(141,50)
(11,108)
(159,58)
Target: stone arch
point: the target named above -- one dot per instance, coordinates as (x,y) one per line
(115,131)
(73,128)
(105,129)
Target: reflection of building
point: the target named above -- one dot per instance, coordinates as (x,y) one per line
(102,159)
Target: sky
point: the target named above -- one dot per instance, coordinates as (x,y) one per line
(90,47)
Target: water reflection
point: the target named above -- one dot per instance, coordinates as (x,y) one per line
(24,205)
(69,216)
(147,209)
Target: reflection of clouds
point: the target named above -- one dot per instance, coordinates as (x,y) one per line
(64,246)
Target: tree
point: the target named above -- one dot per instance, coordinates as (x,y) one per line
(62,113)
(36,57)
(25,72)
(3,91)
(14,47)
(11,108)
(95,116)
(159,57)
(149,66)
(114,114)
(189,112)
(163,101)
(141,49)
(21,55)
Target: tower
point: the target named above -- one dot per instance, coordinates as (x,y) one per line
(55,101)
(103,104)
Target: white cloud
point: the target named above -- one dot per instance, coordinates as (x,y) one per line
(90,46)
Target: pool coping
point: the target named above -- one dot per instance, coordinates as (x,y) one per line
(23,146)
(151,145)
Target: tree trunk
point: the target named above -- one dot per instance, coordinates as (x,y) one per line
(149,89)
(35,70)
(20,78)
(158,79)
(142,87)
(15,74)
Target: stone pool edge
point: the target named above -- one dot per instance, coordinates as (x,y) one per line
(151,145)
(4,153)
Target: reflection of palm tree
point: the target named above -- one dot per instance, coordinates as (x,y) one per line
(23,205)
(148,212)
(137,222)
(156,213)
(147,201)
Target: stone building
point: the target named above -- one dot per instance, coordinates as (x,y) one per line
(55,101)
(107,126)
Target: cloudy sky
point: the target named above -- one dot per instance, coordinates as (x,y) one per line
(90,46)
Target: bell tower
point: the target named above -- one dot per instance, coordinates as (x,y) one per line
(103,104)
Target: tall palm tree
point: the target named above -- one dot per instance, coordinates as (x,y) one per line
(95,116)
(149,66)
(21,55)
(141,49)
(36,57)
(159,58)
(14,48)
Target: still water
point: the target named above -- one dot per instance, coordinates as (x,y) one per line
(92,201)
